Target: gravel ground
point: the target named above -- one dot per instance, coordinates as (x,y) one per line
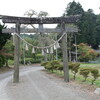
(37,85)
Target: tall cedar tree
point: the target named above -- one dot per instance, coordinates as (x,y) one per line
(87,26)
(97,30)
(87,23)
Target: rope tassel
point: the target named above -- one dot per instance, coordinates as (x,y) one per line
(42,51)
(47,51)
(26,47)
(51,50)
(57,45)
(13,39)
(33,50)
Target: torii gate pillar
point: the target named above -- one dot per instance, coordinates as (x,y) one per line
(16,54)
(65,55)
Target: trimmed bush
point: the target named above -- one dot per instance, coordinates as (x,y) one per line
(95,74)
(85,72)
(51,65)
(55,64)
(74,67)
(60,67)
(44,63)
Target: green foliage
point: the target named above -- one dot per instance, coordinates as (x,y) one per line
(9,47)
(60,67)
(87,26)
(73,8)
(97,30)
(3,37)
(49,66)
(39,56)
(95,74)
(74,67)
(52,65)
(30,61)
(2,60)
(44,63)
(86,53)
(55,64)
(11,62)
(85,72)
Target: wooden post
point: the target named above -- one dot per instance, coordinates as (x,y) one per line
(76,48)
(16,55)
(65,56)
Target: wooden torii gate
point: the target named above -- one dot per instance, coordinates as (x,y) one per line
(45,20)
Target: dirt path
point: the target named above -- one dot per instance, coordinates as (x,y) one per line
(37,85)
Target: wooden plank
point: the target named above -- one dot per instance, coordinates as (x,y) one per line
(45,30)
(44,20)
(65,55)
(16,55)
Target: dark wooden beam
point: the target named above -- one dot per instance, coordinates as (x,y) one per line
(36,20)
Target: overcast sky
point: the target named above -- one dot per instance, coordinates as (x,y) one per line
(55,8)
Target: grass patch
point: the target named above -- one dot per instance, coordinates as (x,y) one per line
(85,65)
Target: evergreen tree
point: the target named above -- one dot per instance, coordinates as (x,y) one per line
(73,8)
(97,30)
(87,26)
(3,37)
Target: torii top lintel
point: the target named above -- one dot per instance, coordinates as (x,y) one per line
(43,20)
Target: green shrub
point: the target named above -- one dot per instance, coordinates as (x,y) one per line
(39,56)
(60,67)
(95,74)
(85,72)
(74,67)
(55,64)
(44,63)
(30,60)
(11,62)
(51,65)
(36,61)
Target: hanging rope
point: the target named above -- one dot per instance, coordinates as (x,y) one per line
(38,46)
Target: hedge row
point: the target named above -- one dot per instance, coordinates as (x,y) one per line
(74,67)
(30,60)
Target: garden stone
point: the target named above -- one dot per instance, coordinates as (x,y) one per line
(97,91)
